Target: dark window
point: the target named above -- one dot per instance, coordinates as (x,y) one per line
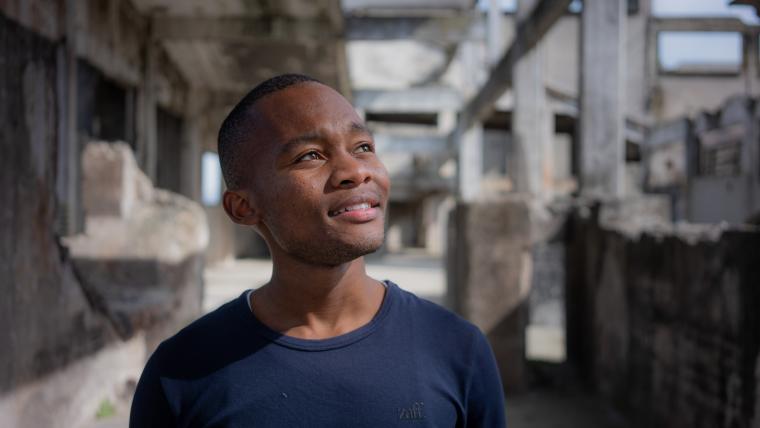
(102,106)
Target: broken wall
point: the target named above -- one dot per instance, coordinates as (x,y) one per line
(664,321)
(709,165)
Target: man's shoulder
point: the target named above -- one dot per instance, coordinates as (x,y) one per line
(436,317)
(215,332)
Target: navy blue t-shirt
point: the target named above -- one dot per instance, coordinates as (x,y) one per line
(414,365)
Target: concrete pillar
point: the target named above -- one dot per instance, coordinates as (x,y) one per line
(470,165)
(469,141)
(532,121)
(147,140)
(602,124)
(190,183)
(70,220)
(488,276)
(447,121)
(750,54)
(495,45)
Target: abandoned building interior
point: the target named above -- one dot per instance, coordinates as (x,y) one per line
(583,176)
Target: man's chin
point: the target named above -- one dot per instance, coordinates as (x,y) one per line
(339,253)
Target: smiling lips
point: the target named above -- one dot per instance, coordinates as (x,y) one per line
(357,209)
(362,206)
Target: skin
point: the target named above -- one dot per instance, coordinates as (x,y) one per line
(310,155)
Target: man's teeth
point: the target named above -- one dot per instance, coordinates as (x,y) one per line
(362,206)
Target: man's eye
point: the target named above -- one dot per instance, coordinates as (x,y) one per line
(366,147)
(308,156)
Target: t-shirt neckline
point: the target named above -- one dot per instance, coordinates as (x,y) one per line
(322,344)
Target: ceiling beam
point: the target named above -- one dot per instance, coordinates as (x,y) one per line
(702,24)
(440,30)
(390,143)
(241,29)
(412,100)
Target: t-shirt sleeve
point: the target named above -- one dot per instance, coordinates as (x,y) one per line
(150,407)
(485,398)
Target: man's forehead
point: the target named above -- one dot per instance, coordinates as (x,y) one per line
(303,98)
(307,107)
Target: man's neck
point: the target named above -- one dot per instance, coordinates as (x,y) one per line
(317,302)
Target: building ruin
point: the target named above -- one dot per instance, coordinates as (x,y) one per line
(527,150)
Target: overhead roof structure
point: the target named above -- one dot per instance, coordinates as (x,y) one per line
(227,46)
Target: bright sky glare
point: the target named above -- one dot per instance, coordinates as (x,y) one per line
(667,8)
(678,50)
(211,179)
(672,8)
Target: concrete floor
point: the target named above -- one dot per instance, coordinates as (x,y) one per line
(557,408)
(414,271)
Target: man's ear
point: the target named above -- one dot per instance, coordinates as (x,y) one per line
(240,208)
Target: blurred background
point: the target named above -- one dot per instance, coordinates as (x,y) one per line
(580,179)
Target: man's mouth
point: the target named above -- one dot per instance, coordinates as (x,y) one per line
(357,207)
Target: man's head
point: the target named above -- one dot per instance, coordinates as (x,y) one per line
(301,168)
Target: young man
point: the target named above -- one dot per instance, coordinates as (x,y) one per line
(321,344)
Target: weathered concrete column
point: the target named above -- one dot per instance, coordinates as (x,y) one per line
(68,180)
(488,275)
(532,124)
(191,149)
(470,164)
(190,170)
(469,137)
(750,54)
(602,95)
(147,140)
(495,42)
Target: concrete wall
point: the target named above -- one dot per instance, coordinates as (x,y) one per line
(688,95)
(72,334)
(46,320)
(664,321)
(503,263)
(488,263)
(709,165)
(55,367)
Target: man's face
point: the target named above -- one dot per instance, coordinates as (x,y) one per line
(317,183)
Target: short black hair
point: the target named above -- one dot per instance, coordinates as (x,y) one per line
(236,127)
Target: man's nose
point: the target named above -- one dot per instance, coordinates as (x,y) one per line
(349,172)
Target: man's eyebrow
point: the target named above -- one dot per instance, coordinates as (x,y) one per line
(360,127)
(300,140)
(293,143)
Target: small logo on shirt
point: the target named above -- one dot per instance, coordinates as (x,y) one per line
(412,413)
